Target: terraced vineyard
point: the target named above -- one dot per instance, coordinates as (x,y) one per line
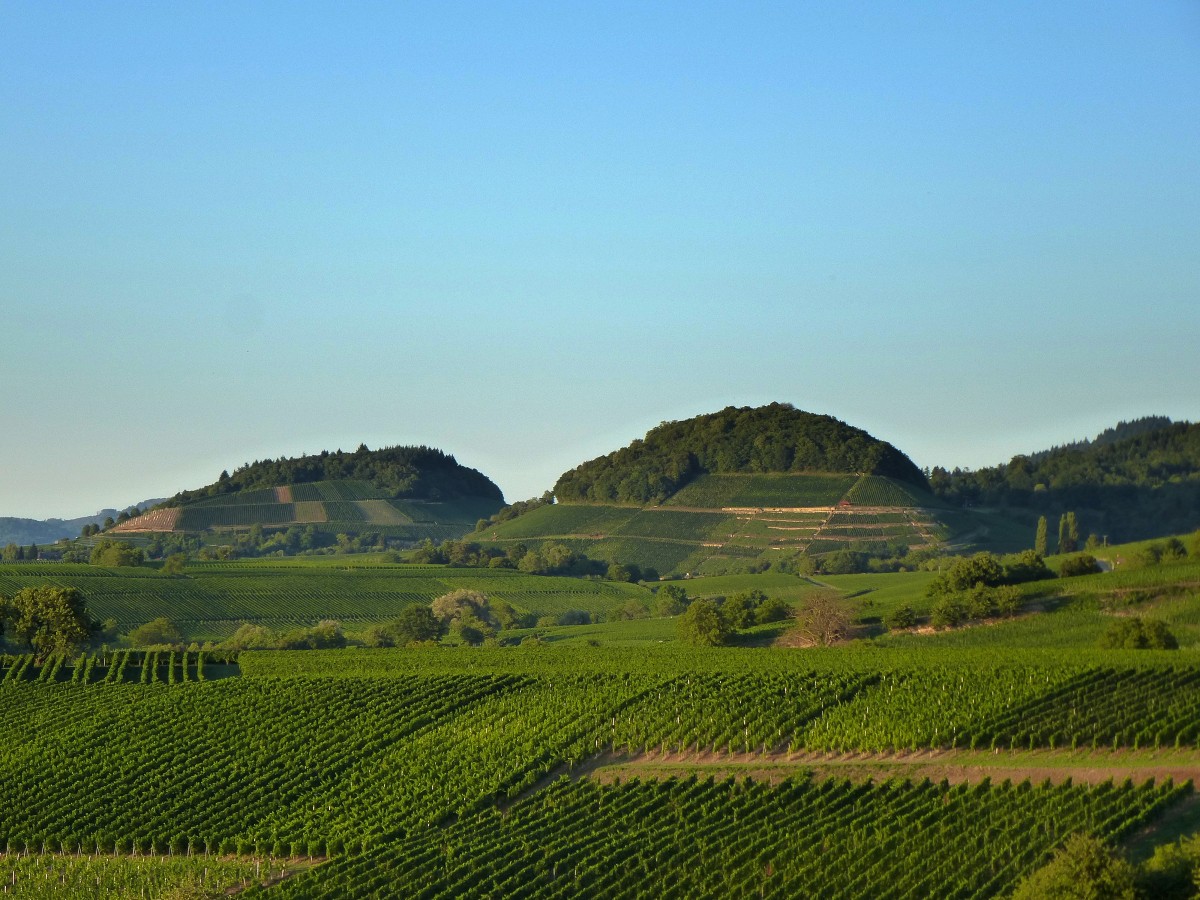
(334,506)
(763,490)
(431,772)
(717,520)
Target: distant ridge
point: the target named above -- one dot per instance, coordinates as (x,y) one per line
(1138,480)
(17,530)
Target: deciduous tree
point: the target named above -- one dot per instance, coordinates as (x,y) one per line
(703,625)
(823,619)
(49,619)
(159,632)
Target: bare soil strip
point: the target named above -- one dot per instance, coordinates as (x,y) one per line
(154,520)
(955,766)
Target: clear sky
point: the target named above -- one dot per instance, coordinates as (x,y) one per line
(526,233)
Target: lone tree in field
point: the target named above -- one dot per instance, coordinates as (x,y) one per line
(414,625)
(48,619)
(1068,533)
(823,619)
(1041,545)
(465,613)
(670,600)
(703,625)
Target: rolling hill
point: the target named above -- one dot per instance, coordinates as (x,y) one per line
(735,489)
(403,494)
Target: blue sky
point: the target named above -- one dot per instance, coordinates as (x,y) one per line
(527,233)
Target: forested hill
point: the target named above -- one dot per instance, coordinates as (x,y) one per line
(774,438)
(1120,432)
(1143,485)
(421,473)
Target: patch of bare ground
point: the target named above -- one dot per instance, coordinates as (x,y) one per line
(283,494)
(955,766)
(154,520)
(289,869)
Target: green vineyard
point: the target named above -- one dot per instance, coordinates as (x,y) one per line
(432,772)
(717,523)
(697,838)
(720,491)
(334,507)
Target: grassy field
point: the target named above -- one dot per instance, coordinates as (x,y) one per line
(211,599)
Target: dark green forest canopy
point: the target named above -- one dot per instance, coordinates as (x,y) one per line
(411,472)
(1145,483)
(774,438)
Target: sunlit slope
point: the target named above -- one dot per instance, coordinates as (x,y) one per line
(347,506)
(718,520)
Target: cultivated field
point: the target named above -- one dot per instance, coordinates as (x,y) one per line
(212,598)
(465,772)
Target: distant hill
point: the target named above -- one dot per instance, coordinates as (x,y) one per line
(739,488)
(420,473)
(47,531)
(737,440)
(1119,432)
(402,494)
(1138,480)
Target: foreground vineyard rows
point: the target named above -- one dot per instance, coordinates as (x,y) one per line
(412,764)
(697,838)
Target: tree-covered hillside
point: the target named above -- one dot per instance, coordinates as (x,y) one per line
(1142,485)
(402,472)
(774,438)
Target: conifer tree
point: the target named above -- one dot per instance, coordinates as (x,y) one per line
(1041,544)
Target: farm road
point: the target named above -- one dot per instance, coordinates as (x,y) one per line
(956,766)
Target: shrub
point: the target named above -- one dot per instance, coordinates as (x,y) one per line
(1074,566)
(772,610)
(1138,634)
(949,611)
(1085,867)
(574,617)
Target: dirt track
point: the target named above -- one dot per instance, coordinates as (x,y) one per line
(956,766)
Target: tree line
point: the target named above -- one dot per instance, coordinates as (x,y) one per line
(1136,483)
(550,558)
(416,472)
